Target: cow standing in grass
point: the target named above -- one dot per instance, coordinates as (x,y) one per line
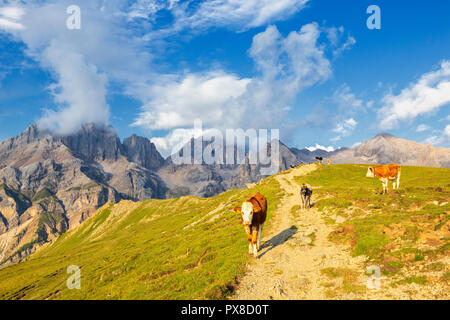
(384,174)
(253,215)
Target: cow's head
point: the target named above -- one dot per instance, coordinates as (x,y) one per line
(370,172)
(246,212)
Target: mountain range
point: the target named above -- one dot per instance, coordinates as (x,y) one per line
(50,184)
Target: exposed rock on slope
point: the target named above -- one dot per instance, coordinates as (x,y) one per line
(50,184)
(385,148)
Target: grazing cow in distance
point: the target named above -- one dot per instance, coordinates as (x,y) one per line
(292,166)
(385,173)
(253,215)
(329,161)
(319,159)
(305,194)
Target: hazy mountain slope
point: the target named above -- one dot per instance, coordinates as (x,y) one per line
(385,148)
(206,180)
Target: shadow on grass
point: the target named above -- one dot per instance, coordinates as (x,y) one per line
(277,240)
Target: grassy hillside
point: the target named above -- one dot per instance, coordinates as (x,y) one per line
(193,248)
(406,232)
(184,248)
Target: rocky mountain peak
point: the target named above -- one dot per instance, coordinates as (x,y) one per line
(95,142)
(143,152)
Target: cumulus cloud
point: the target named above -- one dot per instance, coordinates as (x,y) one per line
(442,140)
(9,18)
(285,65)
(427,95)
(107,40)
(80,91)
(84,61)
(335,35)
(344,129)
(319,147)
(197,96)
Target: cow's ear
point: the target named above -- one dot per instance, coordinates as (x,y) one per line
(371,169)
(237,209)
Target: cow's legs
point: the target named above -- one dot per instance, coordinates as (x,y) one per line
(249,238)
(259,235)
(254,240)
(385,185)
(398,180)
(394,184)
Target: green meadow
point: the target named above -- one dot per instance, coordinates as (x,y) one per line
(396,230)
(185,248)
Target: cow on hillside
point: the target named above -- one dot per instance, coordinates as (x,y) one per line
(253,215)
(384,174)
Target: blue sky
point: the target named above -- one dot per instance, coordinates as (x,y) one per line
(310,68)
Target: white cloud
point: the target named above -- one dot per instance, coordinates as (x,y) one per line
(319,147)
(106,50)
(234,14)
(286,66)
(80,91)
(422,128)
(248,13)
(344,128)
(346,101)
(427,95)
(335,35)
(443,140)
(178,103)
(9,17)
(84,61)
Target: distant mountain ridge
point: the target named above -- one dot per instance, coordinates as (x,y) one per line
(50,183)
(385,148)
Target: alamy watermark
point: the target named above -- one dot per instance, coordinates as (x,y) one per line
(73,22)
(213,148)
(74,281)
(374,20)
(374,281)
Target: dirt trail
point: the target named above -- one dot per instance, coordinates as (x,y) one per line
(295,250)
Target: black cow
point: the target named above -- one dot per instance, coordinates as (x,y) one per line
(306,193)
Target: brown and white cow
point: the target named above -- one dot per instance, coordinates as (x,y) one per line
(384,174)
(253,215)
